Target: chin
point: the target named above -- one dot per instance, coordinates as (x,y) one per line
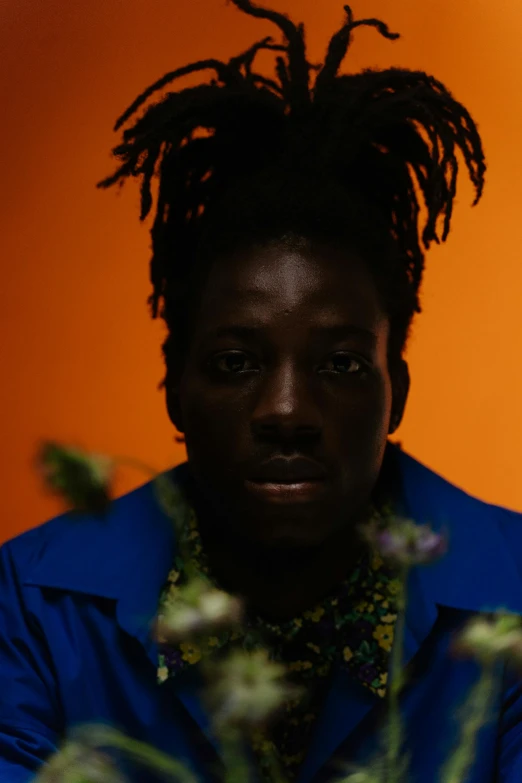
(289,536)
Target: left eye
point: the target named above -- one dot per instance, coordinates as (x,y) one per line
(345,364)
(232,362)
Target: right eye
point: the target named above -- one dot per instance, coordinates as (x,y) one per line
(235,362)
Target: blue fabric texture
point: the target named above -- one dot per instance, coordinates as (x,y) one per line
(75,644)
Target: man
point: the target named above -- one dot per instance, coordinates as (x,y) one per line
(288,255)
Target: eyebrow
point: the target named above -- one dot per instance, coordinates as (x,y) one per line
(334,331)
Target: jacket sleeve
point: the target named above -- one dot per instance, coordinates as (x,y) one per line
(29,710)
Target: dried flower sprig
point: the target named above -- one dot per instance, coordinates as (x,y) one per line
(198,609)
(402,544)
(81,760)
(493,638)
(490,640)
(76,762)
(246,689)
(83,479)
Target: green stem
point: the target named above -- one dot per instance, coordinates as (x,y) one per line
(166,490)
(236,763)
(276,771)
(394,743)
(168,767)
(475,715)
(234,757)
(133,462)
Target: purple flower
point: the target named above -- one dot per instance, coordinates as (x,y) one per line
(403,543)
(368,672)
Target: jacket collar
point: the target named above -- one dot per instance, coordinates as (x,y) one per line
(123,556)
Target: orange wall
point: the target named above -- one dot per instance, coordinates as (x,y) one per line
(81,358)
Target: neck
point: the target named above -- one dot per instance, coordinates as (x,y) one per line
(280,584)
(275,583)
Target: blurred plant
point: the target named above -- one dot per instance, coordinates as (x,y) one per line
(373,774)
(245,689)
(491,641)
(402,544)
(83,480)
(78,763)
(80,759)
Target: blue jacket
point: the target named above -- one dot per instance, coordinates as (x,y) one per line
(77,597)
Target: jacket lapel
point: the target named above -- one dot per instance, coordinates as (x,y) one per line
(347,702)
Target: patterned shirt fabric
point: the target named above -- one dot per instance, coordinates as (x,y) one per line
(352,627)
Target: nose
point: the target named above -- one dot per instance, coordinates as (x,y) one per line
(286,408)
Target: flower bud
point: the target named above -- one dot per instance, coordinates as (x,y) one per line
(490,639)
(402,543)
(82,479)
(197,609)
(246,689)
(75,763)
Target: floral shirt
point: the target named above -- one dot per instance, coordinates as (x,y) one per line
(351,627)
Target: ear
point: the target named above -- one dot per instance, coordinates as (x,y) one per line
(400,377)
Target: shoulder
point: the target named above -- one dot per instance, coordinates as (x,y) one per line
(445,498)
(483,567)
(92,553)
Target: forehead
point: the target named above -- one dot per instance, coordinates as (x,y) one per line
(273,281)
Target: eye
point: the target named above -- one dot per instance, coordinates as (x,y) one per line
(345,364)
(234,362)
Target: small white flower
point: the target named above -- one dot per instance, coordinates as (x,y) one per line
(197,609)
(246,689)
(490,639)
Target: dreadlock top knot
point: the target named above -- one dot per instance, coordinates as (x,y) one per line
(345,158)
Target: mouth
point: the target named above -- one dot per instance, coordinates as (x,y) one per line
(285,491)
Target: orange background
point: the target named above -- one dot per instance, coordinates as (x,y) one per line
(80,356)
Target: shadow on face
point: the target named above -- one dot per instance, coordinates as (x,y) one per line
(288,360)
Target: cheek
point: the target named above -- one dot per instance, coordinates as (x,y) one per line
(359,424)
(213,421)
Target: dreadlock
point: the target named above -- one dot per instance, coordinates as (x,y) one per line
(246,158)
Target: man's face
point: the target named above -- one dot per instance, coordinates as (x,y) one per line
(288,360)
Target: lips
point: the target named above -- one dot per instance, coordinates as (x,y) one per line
(288,470)
(288,480)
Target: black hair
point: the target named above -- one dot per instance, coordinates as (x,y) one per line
(246,158)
